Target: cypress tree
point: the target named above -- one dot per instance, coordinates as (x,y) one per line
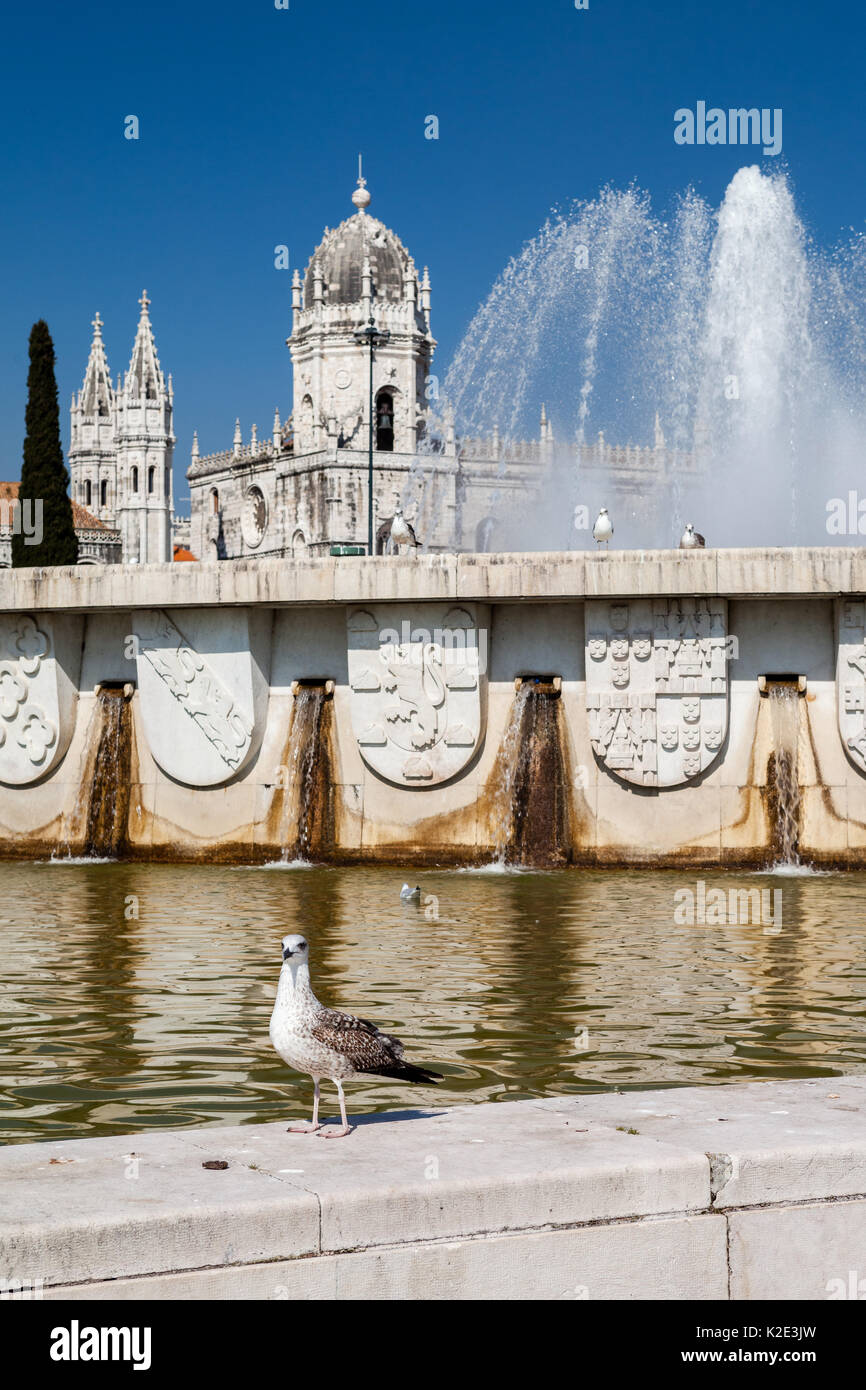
(44,479)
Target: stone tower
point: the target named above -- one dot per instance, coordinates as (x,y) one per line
(145,446)
(93,447)
(360,271)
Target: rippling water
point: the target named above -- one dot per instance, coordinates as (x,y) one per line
(512,984)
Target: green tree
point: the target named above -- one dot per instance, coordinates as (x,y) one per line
(45,509)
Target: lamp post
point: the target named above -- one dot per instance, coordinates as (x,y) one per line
(374,338)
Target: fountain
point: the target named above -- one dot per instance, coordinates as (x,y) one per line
(728,328)
(106,829)
(530,792)
(783,786)
(306,827)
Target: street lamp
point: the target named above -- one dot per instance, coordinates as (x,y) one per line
(374,338)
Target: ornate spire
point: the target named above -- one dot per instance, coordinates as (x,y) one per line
(194,445)
(361,196)
(144,380)
(97,396)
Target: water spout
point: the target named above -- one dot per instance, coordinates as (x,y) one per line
(108,804)
(530,798)
(783,785)
(306,827)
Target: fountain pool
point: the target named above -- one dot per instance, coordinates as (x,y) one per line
(137,997)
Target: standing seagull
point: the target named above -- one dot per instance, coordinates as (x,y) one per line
(401,532)
(325,1042)
(603,528)
(691,539)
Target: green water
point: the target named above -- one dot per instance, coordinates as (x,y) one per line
(523,985)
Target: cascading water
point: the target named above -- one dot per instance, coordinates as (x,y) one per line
(783,786)
(724,343)
(306,821)
(529,801)
(108,804)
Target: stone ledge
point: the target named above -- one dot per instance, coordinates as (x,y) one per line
(554,576)
(530,1198)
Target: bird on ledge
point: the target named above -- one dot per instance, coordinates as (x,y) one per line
(324,1042)
(603,528)
(691,539)
(401,532)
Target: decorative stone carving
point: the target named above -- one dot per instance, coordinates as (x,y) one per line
(657,687)
(202,701)
(37,695)
(418,682)
(851,679)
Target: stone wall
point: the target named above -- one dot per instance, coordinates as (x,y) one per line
(659,661)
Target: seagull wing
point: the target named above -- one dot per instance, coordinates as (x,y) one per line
(368,1049)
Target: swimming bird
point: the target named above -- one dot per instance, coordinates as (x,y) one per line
(410,895)
(603,528)
(325,1042)
(691,539)
(401,532)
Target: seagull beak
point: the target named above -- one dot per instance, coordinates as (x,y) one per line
(287,952)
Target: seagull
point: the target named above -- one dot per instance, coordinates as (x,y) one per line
(326,1042)
(401,532)
(691,539)
(603,528)
(410,895)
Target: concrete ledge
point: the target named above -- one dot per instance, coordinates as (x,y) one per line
(548,576)
(712,1192)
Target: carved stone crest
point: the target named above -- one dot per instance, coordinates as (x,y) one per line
(418,680)
(657,687)
(851,679)
(202,700)
(37,697)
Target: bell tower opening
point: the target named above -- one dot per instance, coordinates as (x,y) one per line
(385,421)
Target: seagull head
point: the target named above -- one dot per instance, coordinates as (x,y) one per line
(295,949)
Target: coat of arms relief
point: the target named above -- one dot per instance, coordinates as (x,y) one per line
(657,686)
(851,679)
(37,699)
(417,677)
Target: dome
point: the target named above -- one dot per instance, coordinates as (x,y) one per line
(340,258)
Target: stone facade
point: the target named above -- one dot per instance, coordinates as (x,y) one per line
(417,659)
(121,446)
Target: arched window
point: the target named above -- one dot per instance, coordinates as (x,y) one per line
(299,545)
(214,500)
(103,493)
(385,422)
(151,478)
(88,489)
(134,478)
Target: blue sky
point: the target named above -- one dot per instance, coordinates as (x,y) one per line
(250,123)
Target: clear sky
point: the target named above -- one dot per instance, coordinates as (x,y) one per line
(251,119)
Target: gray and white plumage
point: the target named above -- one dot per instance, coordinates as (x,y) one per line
(691,539)
(328,1043)
(410,895)
(401,531)
(603,528)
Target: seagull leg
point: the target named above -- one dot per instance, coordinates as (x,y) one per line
(309,1126)
(337,1131)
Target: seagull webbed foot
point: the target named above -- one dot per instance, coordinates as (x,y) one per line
(335,1131)
(303,1127)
